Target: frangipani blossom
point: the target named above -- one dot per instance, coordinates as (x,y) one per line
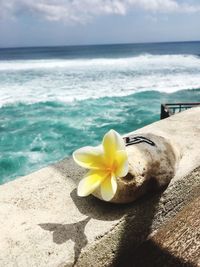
(105,163)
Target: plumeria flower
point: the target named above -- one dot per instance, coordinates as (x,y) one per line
(105,162)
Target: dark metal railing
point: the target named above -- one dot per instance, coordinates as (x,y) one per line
(169,109)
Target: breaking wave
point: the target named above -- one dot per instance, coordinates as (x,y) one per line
(67,80)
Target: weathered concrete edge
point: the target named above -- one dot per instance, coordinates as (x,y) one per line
(143,219)
(176,243)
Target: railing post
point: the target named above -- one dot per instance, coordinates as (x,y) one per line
(164,113)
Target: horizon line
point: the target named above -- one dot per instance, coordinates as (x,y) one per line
(101,44)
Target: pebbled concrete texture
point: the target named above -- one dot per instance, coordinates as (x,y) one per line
(44,223)
(175,244)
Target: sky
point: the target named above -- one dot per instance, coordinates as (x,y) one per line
(80,22)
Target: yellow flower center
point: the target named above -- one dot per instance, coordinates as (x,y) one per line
(111,169)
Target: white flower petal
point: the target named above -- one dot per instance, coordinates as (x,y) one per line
(112,142)
(89,157)
(90,182)
(121,161)
(108,188)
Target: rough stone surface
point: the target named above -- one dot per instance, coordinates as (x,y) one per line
(176,244)
(44,223)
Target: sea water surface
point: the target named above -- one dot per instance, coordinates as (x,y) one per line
(54,100)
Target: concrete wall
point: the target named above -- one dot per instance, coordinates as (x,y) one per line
(44,223)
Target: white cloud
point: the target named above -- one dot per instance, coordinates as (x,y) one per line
(83,10)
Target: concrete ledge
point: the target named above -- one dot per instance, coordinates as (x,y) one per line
(176,244)
(44,223)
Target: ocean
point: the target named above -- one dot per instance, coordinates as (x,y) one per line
(54,100)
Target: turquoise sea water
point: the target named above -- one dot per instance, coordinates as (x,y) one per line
(54,100)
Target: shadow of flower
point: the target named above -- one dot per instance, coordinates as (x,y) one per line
(64,232)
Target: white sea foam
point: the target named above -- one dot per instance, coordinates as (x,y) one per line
(78,79)
(141,61)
